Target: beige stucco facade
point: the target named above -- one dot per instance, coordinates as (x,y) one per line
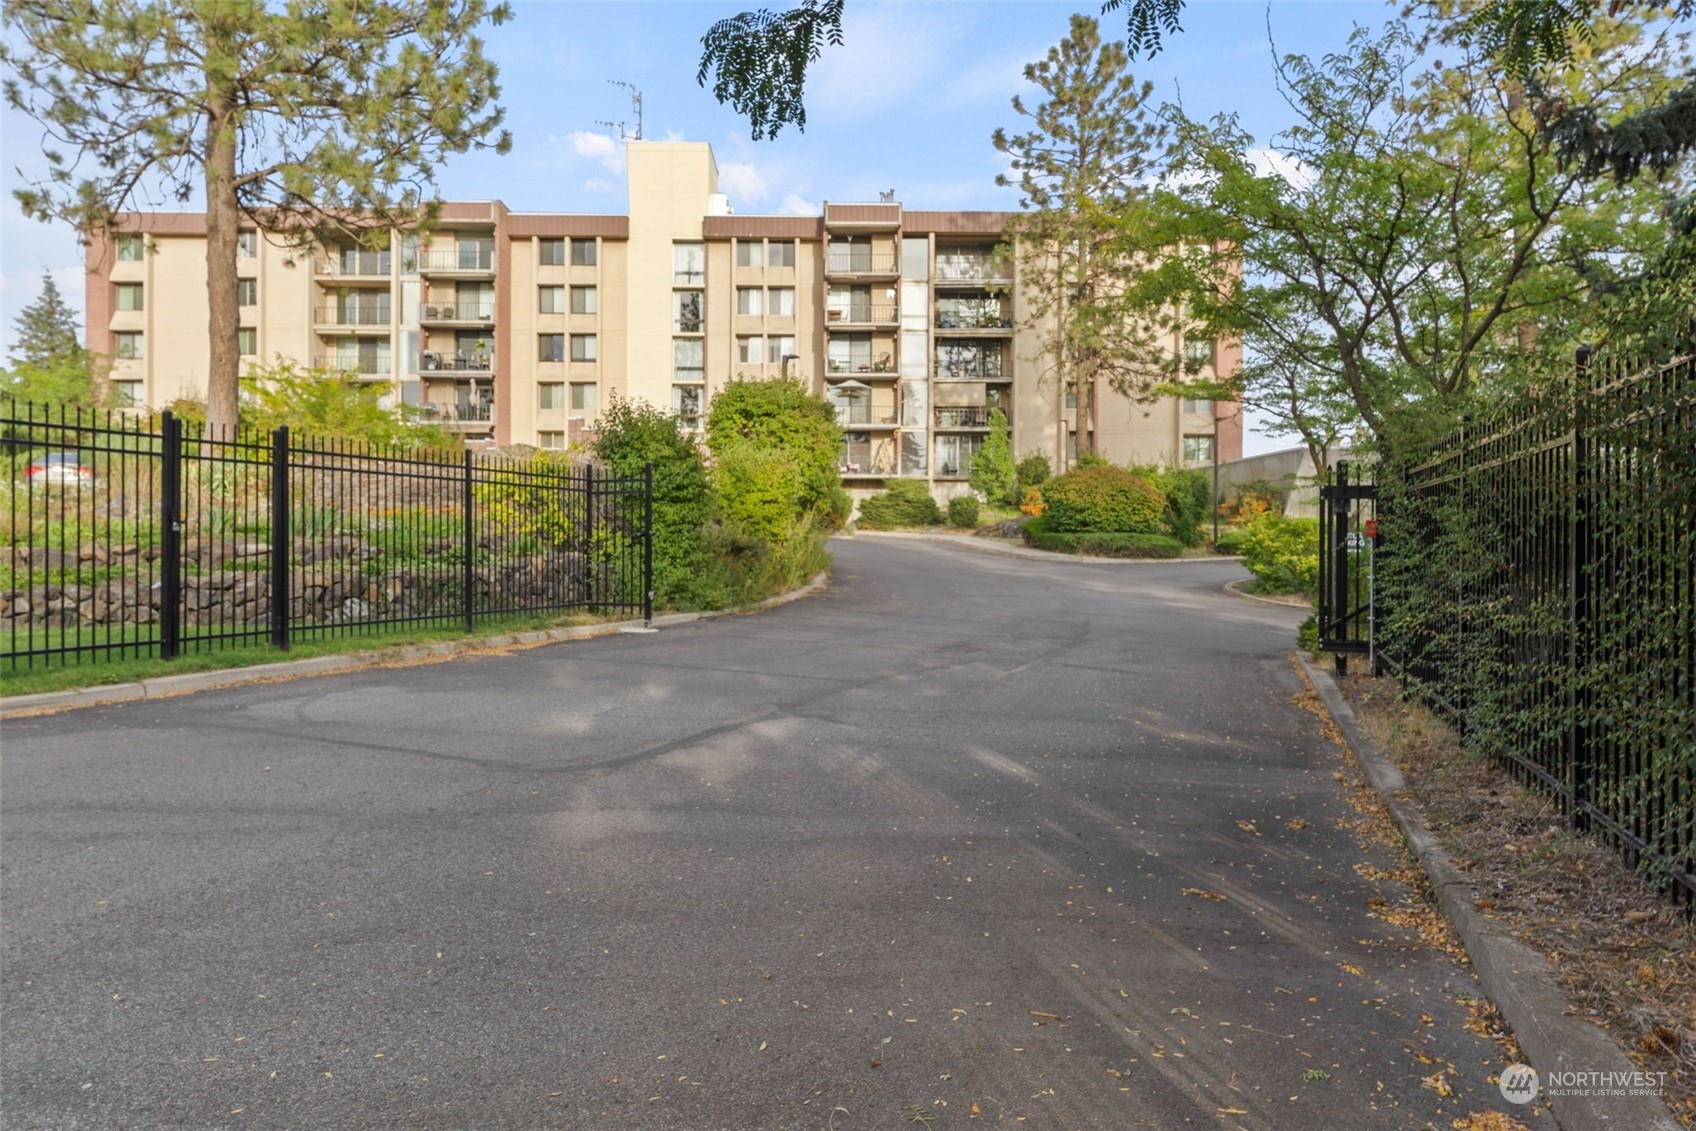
(520,328)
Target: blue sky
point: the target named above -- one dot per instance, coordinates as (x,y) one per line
(908,103)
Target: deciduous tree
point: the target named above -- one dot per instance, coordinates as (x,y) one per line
(308,117)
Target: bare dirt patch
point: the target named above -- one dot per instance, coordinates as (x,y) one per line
(1625,954)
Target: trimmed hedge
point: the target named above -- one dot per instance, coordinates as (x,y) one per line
(963,511)
(1039,534)
(1103,499)
(906,503)
(1231,541)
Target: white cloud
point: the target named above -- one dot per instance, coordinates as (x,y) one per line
(743,182)
(889,52)
(599,185)
(598,147)
(794,204)
(1269,162)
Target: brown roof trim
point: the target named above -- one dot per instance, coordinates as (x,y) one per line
(526,225)
(883,215)
(957,223)
(162,223)
(756,227)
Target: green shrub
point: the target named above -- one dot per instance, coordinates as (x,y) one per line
(757,489)
(1033,471)
(1102,499)
(784,418)
(1231,541)
(993,475)
(1282,553)
(1039,534)
(1189,502)
(963,511)
(631,434)
(1307,636)
(906,503)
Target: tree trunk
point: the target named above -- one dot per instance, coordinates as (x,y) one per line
(223,379)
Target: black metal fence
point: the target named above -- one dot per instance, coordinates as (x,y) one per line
(1535,583)
(132,538)
(1348,538)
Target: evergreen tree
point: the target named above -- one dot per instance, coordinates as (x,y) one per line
(47,330)
(318,119)
(994,474)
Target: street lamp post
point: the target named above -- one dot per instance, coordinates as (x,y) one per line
(787,358)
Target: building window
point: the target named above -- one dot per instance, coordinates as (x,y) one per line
(550,396)
(585,396)
(551,253)
(1198,449)
(688,264)
(1196,404)
(551,441)
(247,341)
(688,359)
(781,302)
(750,253)
(583,347)
(686,402)
(954,454)
(127,345)
(247,244)
(750,351)
(686,311)
(247,292)
(130,248)
(585,300)
(550,300)
(780,253)
(780,347)
(750,300)
(127,394)
(583,253)
(1198,352)
(551,347)
(129,296)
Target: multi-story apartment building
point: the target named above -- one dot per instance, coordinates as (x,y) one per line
(518,328)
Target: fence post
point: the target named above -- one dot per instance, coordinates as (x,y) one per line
(171,535)
(281,538)
(648,545)
(590,568)
(1339,551)
(468,572)
(1578,753)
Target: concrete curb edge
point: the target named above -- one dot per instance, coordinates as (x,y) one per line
(161,687)
(1515,977)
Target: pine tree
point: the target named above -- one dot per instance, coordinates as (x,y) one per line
(318,119)
(47,330)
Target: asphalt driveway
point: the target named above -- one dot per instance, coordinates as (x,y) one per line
(961,838)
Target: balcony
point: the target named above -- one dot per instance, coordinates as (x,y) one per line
(860,315)
(358,367)
(863,459)
(458,261)
(865,415)
(450,313)
(354,265)
(840,264)
(962,417)
(464,416)
(455,364)
(884,363)
(974,316)
(354,317)
(975,270)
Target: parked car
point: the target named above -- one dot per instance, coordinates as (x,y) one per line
(59,469)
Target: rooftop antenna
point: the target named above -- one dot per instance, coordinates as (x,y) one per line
(623,129)
(887,197)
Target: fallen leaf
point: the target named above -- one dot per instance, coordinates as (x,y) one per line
(1203,893)
(1437,1083)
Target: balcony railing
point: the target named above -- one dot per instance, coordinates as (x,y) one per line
(979,369)
(351,316)
(860,263)
(883,363)
(436,361)
(862,312)
(985,317)
(457,259)
(864,414)
(451,414)
(858,459)
(360,367)
(962,417)
(367,263)
(970,269)
(456,312)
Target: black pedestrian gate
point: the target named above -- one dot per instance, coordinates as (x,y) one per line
(1348,541)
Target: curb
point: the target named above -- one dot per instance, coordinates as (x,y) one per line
(1231,588)
(1514,976)
(168,686)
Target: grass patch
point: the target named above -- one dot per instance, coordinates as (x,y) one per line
(94,671)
